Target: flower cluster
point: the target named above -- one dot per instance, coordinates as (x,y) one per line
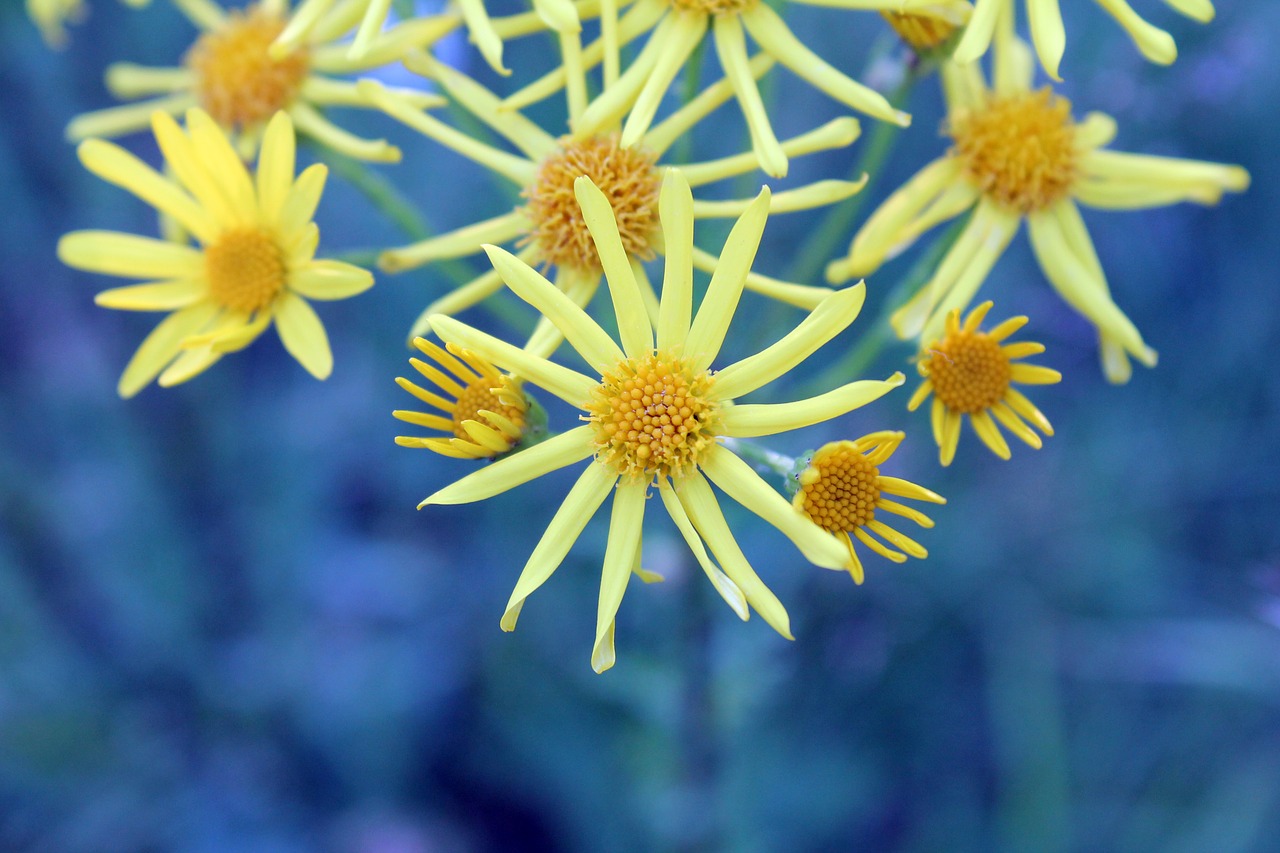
(608,195)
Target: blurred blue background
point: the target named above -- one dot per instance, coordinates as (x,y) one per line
(224,627)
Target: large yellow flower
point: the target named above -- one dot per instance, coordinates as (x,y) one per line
(254,264)
(971,373)
(232,74)
(51,16)
(1019,155)
(678,27)
(1050,37)
(655,411)
(549,228)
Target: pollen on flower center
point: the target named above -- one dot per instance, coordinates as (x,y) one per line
(626,176)
(237,82)
(653,416)
(839,488)
(1020,149)
(715,7)
(969,371)
(921,32)
(478,396)
(245,268)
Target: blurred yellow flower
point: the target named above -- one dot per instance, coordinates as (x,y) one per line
(254,264)
(481,411)
(841,488)
(51,17)
(678,27)
(923,33)
(1050,37)
(969,372)
(549,228)
(656,413)
(232,73)
(1019,155)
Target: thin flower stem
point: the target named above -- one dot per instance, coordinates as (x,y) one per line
(860,357)
(761,458)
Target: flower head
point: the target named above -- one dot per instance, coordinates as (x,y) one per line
(233,72)
(481,412)
(1050,37)
(971,373)
(924,33)
(253,264)
(840,489)
(655,411)
(1020,154)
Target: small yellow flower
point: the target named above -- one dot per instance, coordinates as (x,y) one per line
(924,33)
(1019,155)
(969,372)
(254,264)
(654,411)
(480,410)
(679,27)
(232,73)
(51,17)
(1050,37)
(549,229)
(841,488)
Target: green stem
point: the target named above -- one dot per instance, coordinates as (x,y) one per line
(760,457)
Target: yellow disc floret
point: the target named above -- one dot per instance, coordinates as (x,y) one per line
(245,268)
(715,7)
(653,416)
(921,32)
(488,393)
(1020,149)
(969,371)
(839,488)
(237,82)
(626,176)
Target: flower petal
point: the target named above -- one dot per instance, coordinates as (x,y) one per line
(303,334)
(518,468)
(771,418)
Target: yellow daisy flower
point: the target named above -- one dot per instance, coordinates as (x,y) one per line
(482,412)
(678,27)
(1050,37)
(549,228)
(254,264)
(968,372)
(840,490)
(51,17)
(655,411)
(231,73)
(1019,155)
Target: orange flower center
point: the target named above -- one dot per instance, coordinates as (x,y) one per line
(246,270)
(653,416)
(715,7)
(237,82)
(969,371)
(921,32)
(840,488)
(626,176)
(479,396)
(1020,150)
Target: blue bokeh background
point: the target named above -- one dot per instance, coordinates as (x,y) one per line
(224,627)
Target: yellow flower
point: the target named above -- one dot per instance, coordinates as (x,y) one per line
(678,27)
(968,372)
(255,260)
(549,228)
(1050,38)
(655,411)
(840,490)
(1019,155)
(923,33)
(481,412)
(51,16)
(232,73)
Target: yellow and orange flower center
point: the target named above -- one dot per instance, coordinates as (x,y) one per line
(839,489)
(969,371)
(1020,150)
(237,82)
(478,396)
(921,32)
(626,176)
(715,7)
(246,270)
(653,416)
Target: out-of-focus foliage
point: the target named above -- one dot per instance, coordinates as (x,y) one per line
(224,627)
